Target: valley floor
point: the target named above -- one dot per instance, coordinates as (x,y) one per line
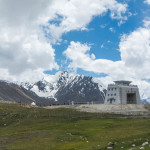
(129,109)
(35,128)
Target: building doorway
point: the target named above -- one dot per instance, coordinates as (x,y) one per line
(111,100)
(131,98)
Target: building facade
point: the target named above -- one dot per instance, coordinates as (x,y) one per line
(122,92)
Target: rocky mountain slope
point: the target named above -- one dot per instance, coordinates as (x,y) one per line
(14,93)
(146,101)
(10,92)
(65,87)
(61,88)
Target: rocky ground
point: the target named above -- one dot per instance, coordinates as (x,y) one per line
(130,109)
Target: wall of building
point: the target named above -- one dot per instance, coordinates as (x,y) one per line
(129,89)
(112,93)
(117,94)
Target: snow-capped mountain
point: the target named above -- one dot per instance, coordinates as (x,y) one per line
(61,88)
(146,101)
(65,87)
(11,92)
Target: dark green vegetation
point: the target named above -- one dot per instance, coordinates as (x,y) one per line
(23,128)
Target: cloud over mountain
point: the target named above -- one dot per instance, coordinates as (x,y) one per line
(29,29)
(24,47)
(134,63)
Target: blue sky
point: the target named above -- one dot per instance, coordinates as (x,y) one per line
(104,42)
(109,39)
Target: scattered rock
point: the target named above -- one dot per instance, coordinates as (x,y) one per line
(122,147)
(69,134)
(83,138)
(109,148)
(145,143)
(141,147)
(133,145)
(111,144)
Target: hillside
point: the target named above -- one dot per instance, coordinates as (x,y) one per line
(14,93)
(25,128)
(65,87)
(10,92)
(61,88)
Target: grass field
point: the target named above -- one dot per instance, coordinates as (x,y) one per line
(23,128)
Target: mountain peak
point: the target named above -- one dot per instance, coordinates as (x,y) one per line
(62,73)
(65,87)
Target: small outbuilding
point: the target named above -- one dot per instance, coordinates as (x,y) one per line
(122,92)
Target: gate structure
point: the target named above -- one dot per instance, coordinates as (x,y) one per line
(122,92)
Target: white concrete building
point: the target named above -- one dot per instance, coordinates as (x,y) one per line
(122,93)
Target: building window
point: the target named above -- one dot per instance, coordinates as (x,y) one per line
(115,88)
(112,89)
(111,100)
(108,94)
(115,94)
(111,94)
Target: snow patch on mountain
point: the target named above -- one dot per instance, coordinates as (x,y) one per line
(101,86)
(145,99)
(52,85)
(26,85)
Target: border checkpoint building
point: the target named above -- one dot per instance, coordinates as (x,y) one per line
(122,92)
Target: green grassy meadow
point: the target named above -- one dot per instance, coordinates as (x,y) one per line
(23,128)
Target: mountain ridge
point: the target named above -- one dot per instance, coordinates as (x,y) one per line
(66,87)
(61,88)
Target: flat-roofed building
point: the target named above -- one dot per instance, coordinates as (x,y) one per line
(122,92)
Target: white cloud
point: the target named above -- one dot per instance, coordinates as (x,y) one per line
(23,48)
(135,52)
(23,25)
(80,57)
(77,14)
(27,75)
(147,1)
(112,30)
(134,63)
(102,46)
(103,26)
(25,52)
(147,23)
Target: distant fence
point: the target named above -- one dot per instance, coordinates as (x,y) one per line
(85,103)
(75,103)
